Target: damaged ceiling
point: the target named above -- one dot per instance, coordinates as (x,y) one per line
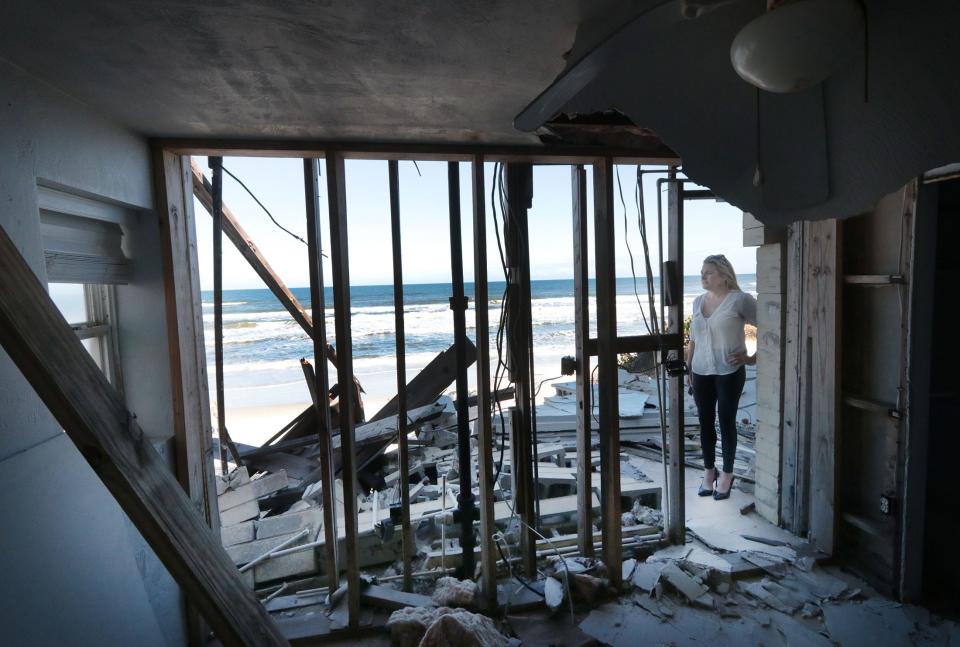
(886,116)
(640,75)
(426,72)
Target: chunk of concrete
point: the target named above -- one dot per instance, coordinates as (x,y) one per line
(451,592)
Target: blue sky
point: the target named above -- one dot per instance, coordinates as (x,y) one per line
(710,227)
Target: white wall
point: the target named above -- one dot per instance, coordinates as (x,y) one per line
(74,569)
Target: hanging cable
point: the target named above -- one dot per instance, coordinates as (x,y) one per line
(267,211)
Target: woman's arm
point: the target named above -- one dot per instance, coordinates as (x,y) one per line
(689,360)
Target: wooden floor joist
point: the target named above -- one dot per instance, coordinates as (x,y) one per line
(63,374)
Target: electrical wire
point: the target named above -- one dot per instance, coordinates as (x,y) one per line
(267,211)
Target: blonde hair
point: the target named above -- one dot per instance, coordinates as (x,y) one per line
(725,269)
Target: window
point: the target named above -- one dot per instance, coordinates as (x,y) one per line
(91,311)
(83,250)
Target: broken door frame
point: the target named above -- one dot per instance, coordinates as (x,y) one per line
(607,346)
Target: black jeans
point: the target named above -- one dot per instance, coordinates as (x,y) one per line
(718,394)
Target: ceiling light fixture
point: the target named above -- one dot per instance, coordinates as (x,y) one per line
(797,44)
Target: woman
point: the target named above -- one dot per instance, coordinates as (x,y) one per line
(716,356)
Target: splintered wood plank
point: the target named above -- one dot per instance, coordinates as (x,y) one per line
(63,374)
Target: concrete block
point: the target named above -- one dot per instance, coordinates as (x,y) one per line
(240,513)
(237,534)
(300,563)
(243,553)
(252,490)
(289,523)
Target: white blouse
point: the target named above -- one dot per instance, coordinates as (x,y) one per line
(717,336)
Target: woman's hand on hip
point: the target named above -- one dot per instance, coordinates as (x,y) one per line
(741,358)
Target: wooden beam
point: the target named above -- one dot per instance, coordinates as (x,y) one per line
(822,310)
(320,383)
(608,397)
(581,301)
(485,439)
(337,198)
(249,250)
(54,361)
(537,153)
(408,546)
(184,317)
(676,518)
(192,430)
(641,344)
(792,475)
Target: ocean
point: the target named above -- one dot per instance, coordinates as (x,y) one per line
(263,344)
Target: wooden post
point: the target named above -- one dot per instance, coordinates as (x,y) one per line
(48,353)
(676,519)
(822,319)
(488,559)
(311,185)
(192,430)
(581,300)
(337,197)
(184,316)
(792,476)
(519,198)
(608,400)
(402,455)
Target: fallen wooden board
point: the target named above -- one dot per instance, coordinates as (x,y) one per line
(54,361)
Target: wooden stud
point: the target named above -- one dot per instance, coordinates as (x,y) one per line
(519,198)
(320,383)
(581,300)
(676,518)
(184,316)
(192,430)
(608,396)
(791,478)
(822,321)
(403,457)
(337,197)
(54,361)
(488,558)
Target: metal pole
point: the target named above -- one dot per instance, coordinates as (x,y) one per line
(676,521)
(581,299)
(466,510)
(488,558)
(402,456)
(321,386)
(216,166)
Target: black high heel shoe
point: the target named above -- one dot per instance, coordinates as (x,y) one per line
(711,491)
(720,496)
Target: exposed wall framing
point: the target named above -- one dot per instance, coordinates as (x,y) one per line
(606,346)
